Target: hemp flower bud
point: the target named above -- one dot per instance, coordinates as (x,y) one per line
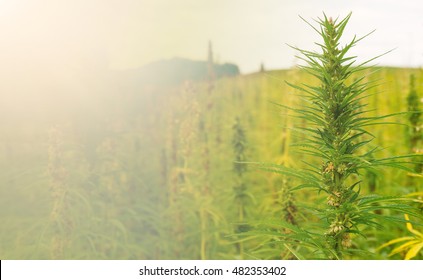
(333,201)
(335,228)
(329,168)
(342,168)
(346,241)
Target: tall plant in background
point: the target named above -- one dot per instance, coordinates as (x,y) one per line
(413,103)
(335,132)
(59,217)
(241,195)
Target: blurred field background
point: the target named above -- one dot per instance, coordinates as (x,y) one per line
(150,172)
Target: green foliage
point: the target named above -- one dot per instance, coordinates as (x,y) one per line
(415,132)
(413,102)
(412,245)
(239,145)
(242,197)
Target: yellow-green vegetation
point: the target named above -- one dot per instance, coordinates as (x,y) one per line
(155,174)
(411,245)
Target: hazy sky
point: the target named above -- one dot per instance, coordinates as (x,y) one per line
(62,34)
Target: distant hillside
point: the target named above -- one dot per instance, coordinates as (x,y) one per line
(177,70)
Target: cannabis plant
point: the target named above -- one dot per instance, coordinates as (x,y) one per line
(60,220)
(414,118)
(240,192)
(336,135)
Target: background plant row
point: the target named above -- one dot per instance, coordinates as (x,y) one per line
(150,174)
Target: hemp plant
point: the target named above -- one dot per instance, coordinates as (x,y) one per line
(60,221)
(240,190)
(336,135)
(414,118)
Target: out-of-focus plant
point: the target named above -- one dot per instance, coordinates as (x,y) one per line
(413,102)
(411,245)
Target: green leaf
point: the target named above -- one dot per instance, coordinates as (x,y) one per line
(295,253)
